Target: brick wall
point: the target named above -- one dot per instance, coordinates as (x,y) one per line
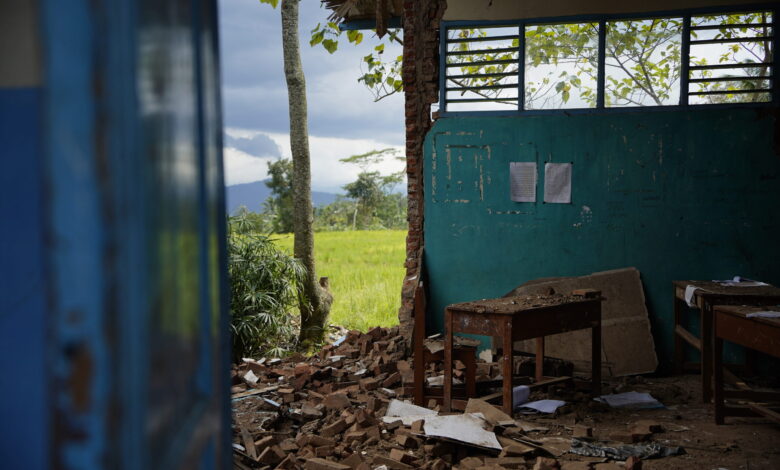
(421,88)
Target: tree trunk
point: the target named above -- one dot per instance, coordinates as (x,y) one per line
(315,307)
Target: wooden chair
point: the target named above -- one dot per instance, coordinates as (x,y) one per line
(423,356)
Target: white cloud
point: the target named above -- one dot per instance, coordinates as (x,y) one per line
(328,173)
(240,167)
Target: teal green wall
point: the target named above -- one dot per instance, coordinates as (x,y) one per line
(677,194)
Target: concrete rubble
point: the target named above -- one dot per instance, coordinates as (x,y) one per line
(349,408)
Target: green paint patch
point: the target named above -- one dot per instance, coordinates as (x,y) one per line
(366,270)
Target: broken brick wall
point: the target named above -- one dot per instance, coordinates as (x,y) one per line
(421,89)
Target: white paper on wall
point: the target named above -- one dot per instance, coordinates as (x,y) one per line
(557,183)
(522,181)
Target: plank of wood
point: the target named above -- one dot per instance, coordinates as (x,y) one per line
(734,380)
(550,381)
(249,443)
(688,337)
(766,412)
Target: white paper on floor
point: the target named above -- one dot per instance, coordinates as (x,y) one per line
(630,400)
(467,428)
(542,406)
(520,395)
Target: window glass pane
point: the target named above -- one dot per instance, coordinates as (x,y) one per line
(739,39)
(561,66)
(642,62)
(481,71)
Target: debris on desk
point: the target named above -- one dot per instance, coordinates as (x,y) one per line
(765,314)
(739,281)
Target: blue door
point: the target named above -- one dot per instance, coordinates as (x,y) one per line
(113,314)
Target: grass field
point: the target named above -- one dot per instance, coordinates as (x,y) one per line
(366,269)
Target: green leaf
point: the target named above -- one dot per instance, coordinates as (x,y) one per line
(355,37)
(273,3)
(330,45)
(316,38)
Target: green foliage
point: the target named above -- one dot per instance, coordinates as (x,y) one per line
(380,75)
(273,3)
(642,60)
(279,206)
(376,204)
(366,269)
(265,285)
(364,160)
(749,52)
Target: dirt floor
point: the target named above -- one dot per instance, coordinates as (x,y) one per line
(326,413)
(742,443)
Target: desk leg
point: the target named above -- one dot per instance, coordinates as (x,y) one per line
(718,373)
(447,399)
(539,359)
(595,358)
(750,361)
(679,343)
(706,352)
(508,369)
(470,361)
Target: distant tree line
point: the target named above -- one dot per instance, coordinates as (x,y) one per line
(371,202)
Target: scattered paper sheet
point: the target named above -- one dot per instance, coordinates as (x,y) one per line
(557,183)
(520,395)
(689,291)
(542,406)
(406,412)
(766,314)
(402,408)
(631,400)
(468,428)
(522,181)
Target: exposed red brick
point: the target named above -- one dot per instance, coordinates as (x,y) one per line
(421,89)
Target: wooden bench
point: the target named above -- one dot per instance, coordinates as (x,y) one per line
(731,323)
(705,297)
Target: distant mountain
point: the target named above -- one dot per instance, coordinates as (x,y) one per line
(252,195)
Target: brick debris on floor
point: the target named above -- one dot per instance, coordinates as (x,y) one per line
(346,409)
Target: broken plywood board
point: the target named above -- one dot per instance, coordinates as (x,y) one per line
(627,342)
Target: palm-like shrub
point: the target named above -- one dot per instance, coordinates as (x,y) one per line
(265,285)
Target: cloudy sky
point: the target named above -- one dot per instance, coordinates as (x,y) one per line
(343,118)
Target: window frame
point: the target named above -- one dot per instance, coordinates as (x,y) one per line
(602,20)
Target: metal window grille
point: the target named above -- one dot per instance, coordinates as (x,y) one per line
(720,58)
